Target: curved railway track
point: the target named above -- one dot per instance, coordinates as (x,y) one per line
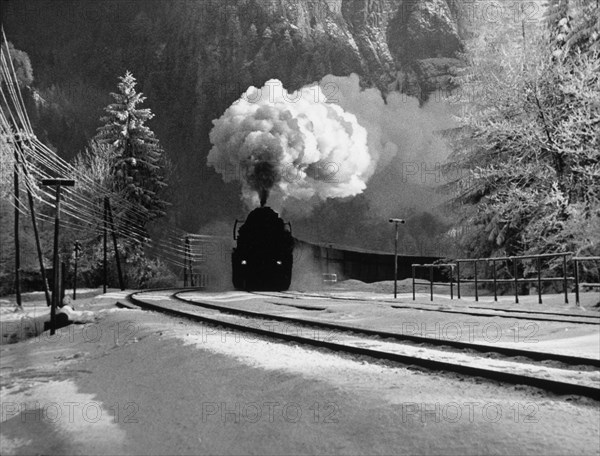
(519,314)
(560,374)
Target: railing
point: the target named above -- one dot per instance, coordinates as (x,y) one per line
(515,280)
(431,282)
(329,278)
(199,279)
(578,260)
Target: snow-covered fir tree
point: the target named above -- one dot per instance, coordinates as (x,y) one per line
(139,165)
(529,143)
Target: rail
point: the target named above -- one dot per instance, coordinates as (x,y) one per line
(576,261)
(515,280)
(431,282)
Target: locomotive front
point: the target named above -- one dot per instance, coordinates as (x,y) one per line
(263,257)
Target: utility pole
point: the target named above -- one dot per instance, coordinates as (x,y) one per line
(396,221)
(21,145)
(104,246)
(77,250)
(55,263)
(16,227)
(114,239)
(186,254)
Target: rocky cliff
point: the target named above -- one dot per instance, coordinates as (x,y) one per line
(392,44)
(193,58)
(215,50)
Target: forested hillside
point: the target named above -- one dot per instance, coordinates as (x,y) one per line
(192,59)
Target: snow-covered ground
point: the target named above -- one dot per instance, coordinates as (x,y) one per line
(136,382)
(457,320)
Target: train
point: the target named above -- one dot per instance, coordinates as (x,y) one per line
(263,257)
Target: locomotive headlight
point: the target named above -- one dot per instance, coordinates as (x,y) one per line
(243,261)
(279,262)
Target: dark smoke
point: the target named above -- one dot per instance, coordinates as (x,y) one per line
(261,178)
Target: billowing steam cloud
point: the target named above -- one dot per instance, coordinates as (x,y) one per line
(326,141)
(291,145)
(404,140)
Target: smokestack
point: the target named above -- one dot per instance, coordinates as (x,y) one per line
(263,194)
(261,177)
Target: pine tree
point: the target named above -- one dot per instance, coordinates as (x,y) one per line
(252,39)
(139,165)
(286,43)
(21,64)
(267,36)
(531,180)
(6,166)
(573,26)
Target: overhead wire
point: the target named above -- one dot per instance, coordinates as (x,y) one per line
(42,162)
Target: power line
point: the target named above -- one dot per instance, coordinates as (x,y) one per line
(81,211)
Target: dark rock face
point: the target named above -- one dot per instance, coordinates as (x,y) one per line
(430,31)
(391,44)
(425,41)
(193,58)
(435,73)
(299,41)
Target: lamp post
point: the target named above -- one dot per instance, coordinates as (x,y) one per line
(397,222)
(56,286)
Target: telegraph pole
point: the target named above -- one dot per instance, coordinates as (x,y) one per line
(114,239)
(186,258)
(21,145)
(104,244)
(77,250)
(396,221)
(55,264)
(16,231)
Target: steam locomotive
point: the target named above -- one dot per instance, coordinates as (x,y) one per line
(263,257)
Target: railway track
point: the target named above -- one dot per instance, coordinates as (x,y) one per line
(477,311)
(560,374)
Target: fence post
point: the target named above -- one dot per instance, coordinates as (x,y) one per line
(539,271)
(565,284)
(458,280)
(413,280)
(431,282)
(476,290)
(451,282)
(515,269)
(495,282)
(576,263)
